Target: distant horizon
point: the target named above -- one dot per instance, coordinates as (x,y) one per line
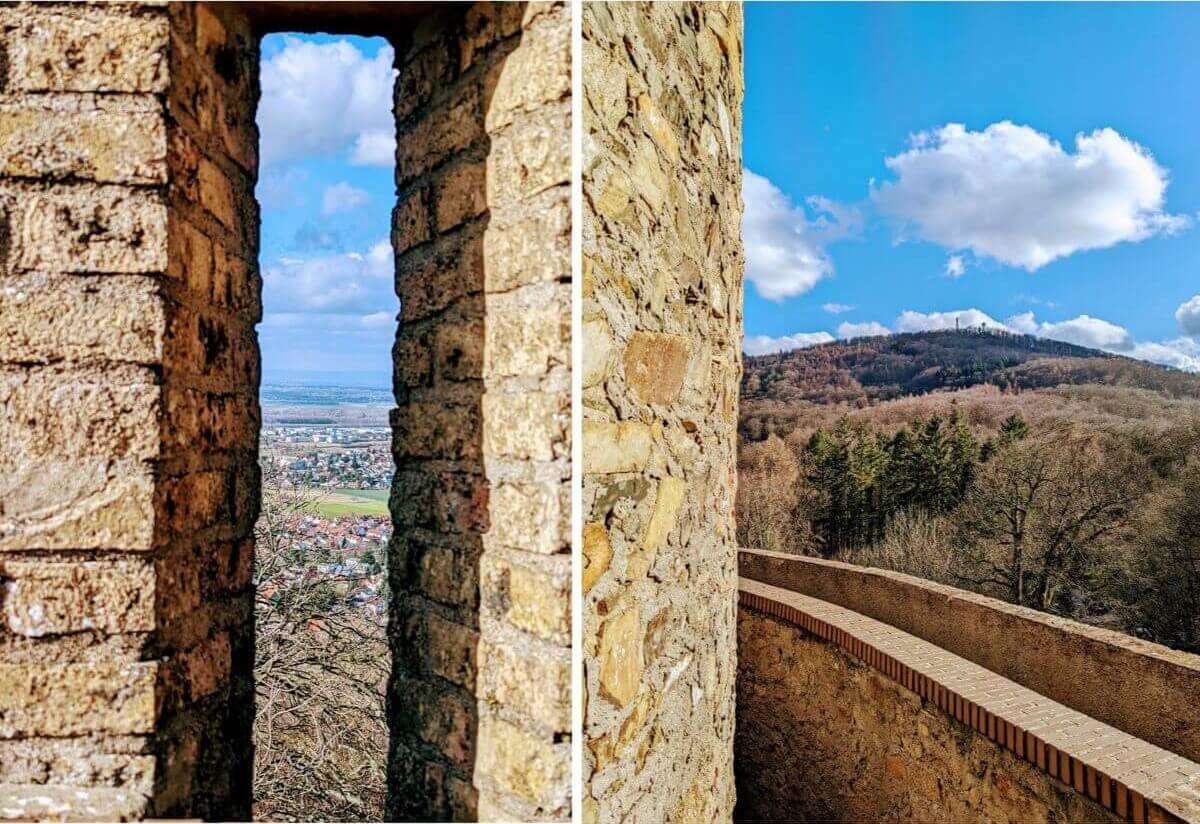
(328,378)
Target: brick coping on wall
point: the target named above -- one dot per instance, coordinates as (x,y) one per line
(1143,688)
(1133,778)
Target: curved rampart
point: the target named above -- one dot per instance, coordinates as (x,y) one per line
(1142,688)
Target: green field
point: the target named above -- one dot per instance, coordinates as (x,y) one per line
(340,502)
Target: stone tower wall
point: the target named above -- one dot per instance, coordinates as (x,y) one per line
(130,420)
(662,328)
(480,696)
(129,373)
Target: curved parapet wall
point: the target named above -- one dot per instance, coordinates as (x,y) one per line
(1145,689)
(844,718)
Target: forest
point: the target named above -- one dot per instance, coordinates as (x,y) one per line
(1069,483)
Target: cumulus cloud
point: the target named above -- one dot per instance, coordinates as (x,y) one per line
(1083,331)
(323,99)
(766,345)
(936,321)
(1181,353)
(352,284)
(1188,316)
(342,197)
(785,249)
(837,308)
(869,329)
(956,266)
(1012,194)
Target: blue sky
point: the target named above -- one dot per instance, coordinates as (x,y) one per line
(1008,159)
(326,188)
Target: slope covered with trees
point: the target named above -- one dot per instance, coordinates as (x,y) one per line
(1064,482)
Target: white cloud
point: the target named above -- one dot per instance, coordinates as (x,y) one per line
(1188,316)
(765,345)
(354,283)
(1182,353)
(342,197)
(869,329)
(1012,194)
(785,250)
(955,266)
(1084,330)
(322,99)
(937,321)
(837,308)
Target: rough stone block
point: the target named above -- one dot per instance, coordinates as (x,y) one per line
(538,72)
(436,430)
(76,503)
(411,221)
(530,156)
(88,49)
(93,229)
(49,139)
(531,680)
(528,766)
(620,656)
(534,249)
(609,448)
(528,334)
(45,598)
(597,553)
(655,365)
(77,699)
(534,599)
(532,517)
(451,651)
(447,129)
(527,426)
(460,195)
(50,318)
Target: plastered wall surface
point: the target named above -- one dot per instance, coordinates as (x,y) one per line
(662,321)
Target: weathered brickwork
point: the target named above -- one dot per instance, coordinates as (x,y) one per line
(129,370)
(128,383)
(662,326)
(480,695)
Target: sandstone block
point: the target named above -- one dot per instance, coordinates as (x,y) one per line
(597,344)
(76,503)
(531,156)
(672,493)
(530,767)
(531,517)
(528,335)
(92,229)
(459,350)
(534,249)
(538,72)
(88,49)
(529,680)
(655,365)
(460,195)
(615,447)
(447,129)
(436,430)
(76,699)
(620,656)
(46,598)
(534,599)
(105,144)
(47,318)
(411,221)
(529,426)
(428,283)
(447,721)
(451,650)
(448,575)
(597,553)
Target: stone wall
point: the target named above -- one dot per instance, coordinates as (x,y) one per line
(129,372)
(662,326)
(129,375)
(823,737)
(480,563)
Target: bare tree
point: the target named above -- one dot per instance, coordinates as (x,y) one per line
(321,666)
(769,499)
(1039,511)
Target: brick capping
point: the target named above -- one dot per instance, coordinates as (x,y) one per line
(1136,780)
(1084,667)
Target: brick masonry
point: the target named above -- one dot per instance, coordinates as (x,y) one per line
(129,371)
(919,733)
(661,340)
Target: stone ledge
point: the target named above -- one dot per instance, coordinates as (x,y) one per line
(43,802)
(1135,779)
